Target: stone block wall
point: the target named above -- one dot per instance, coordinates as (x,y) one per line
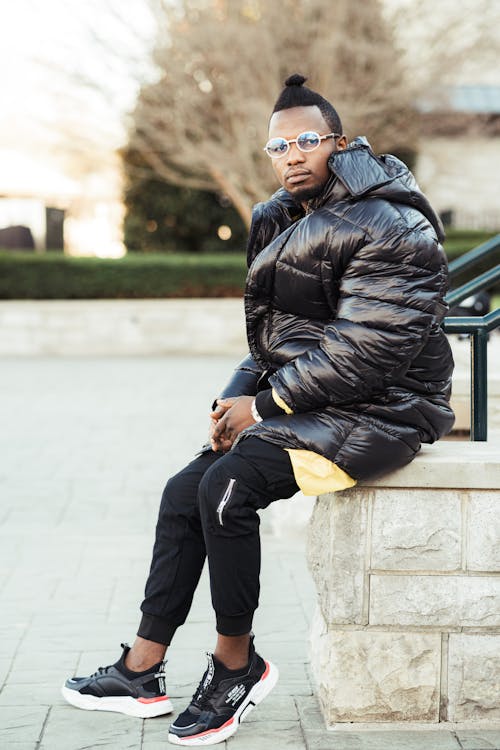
(407,571)
(123,327)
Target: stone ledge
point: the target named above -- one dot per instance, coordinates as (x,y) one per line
(384,628)
(417,530)
(423,727)
(374,676)
(474,677)
(405,613)
(118,327)
(435,600)
(449,463)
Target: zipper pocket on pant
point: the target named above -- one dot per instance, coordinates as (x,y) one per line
(225,499)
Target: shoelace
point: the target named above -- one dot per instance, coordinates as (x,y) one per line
(201,698)
(203,693)
(101,670)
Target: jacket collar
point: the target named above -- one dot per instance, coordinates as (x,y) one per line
(357,172)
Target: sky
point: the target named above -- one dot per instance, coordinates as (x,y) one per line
(46,46)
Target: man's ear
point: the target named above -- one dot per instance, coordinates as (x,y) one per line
(342,143)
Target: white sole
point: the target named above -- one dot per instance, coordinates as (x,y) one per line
(120,704)
(254,697)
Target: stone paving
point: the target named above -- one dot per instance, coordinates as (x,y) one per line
(86,446)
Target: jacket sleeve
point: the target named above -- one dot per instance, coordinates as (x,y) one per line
(244,379)
(391,297)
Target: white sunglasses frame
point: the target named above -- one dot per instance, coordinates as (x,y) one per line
(295,140)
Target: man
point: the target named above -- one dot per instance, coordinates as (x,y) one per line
(348,372)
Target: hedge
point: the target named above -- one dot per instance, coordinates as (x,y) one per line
(52,275)
(459,242)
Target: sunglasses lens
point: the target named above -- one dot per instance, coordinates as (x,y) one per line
(276,147)
(308,141)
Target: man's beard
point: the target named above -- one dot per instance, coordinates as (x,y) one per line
(305,194)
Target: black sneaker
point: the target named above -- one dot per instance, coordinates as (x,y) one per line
(116,688)
(223,699)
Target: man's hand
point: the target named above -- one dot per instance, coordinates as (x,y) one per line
(231,416)
(221,444)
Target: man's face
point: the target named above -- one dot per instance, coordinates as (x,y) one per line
(303,174)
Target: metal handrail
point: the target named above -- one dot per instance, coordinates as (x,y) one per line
(468,324)
(472,257)
(485,280)
(478,328)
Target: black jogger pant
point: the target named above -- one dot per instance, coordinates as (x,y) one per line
(209,509)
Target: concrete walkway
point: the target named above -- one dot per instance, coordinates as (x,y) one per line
(85,448)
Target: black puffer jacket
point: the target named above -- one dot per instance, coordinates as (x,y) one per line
(343,308)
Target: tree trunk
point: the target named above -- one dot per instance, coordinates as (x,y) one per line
(237,198)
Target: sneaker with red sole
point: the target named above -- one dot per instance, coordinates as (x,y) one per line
(224,698)
(116,688)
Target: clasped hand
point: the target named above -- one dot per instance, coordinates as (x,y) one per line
(228,419)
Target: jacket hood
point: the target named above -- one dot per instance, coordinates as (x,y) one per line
(360,173)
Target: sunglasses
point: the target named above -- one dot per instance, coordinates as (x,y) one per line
(308,141)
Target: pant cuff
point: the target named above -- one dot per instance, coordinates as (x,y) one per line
(157,629)
(239,625)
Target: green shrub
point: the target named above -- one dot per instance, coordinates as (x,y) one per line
(48,276)
(55,276)
(459,241)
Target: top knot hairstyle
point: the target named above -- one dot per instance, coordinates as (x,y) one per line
(295,94)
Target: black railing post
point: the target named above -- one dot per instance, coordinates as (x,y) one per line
(479,376)
(478,328)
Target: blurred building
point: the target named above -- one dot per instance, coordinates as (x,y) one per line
(459,155)
(38,200)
